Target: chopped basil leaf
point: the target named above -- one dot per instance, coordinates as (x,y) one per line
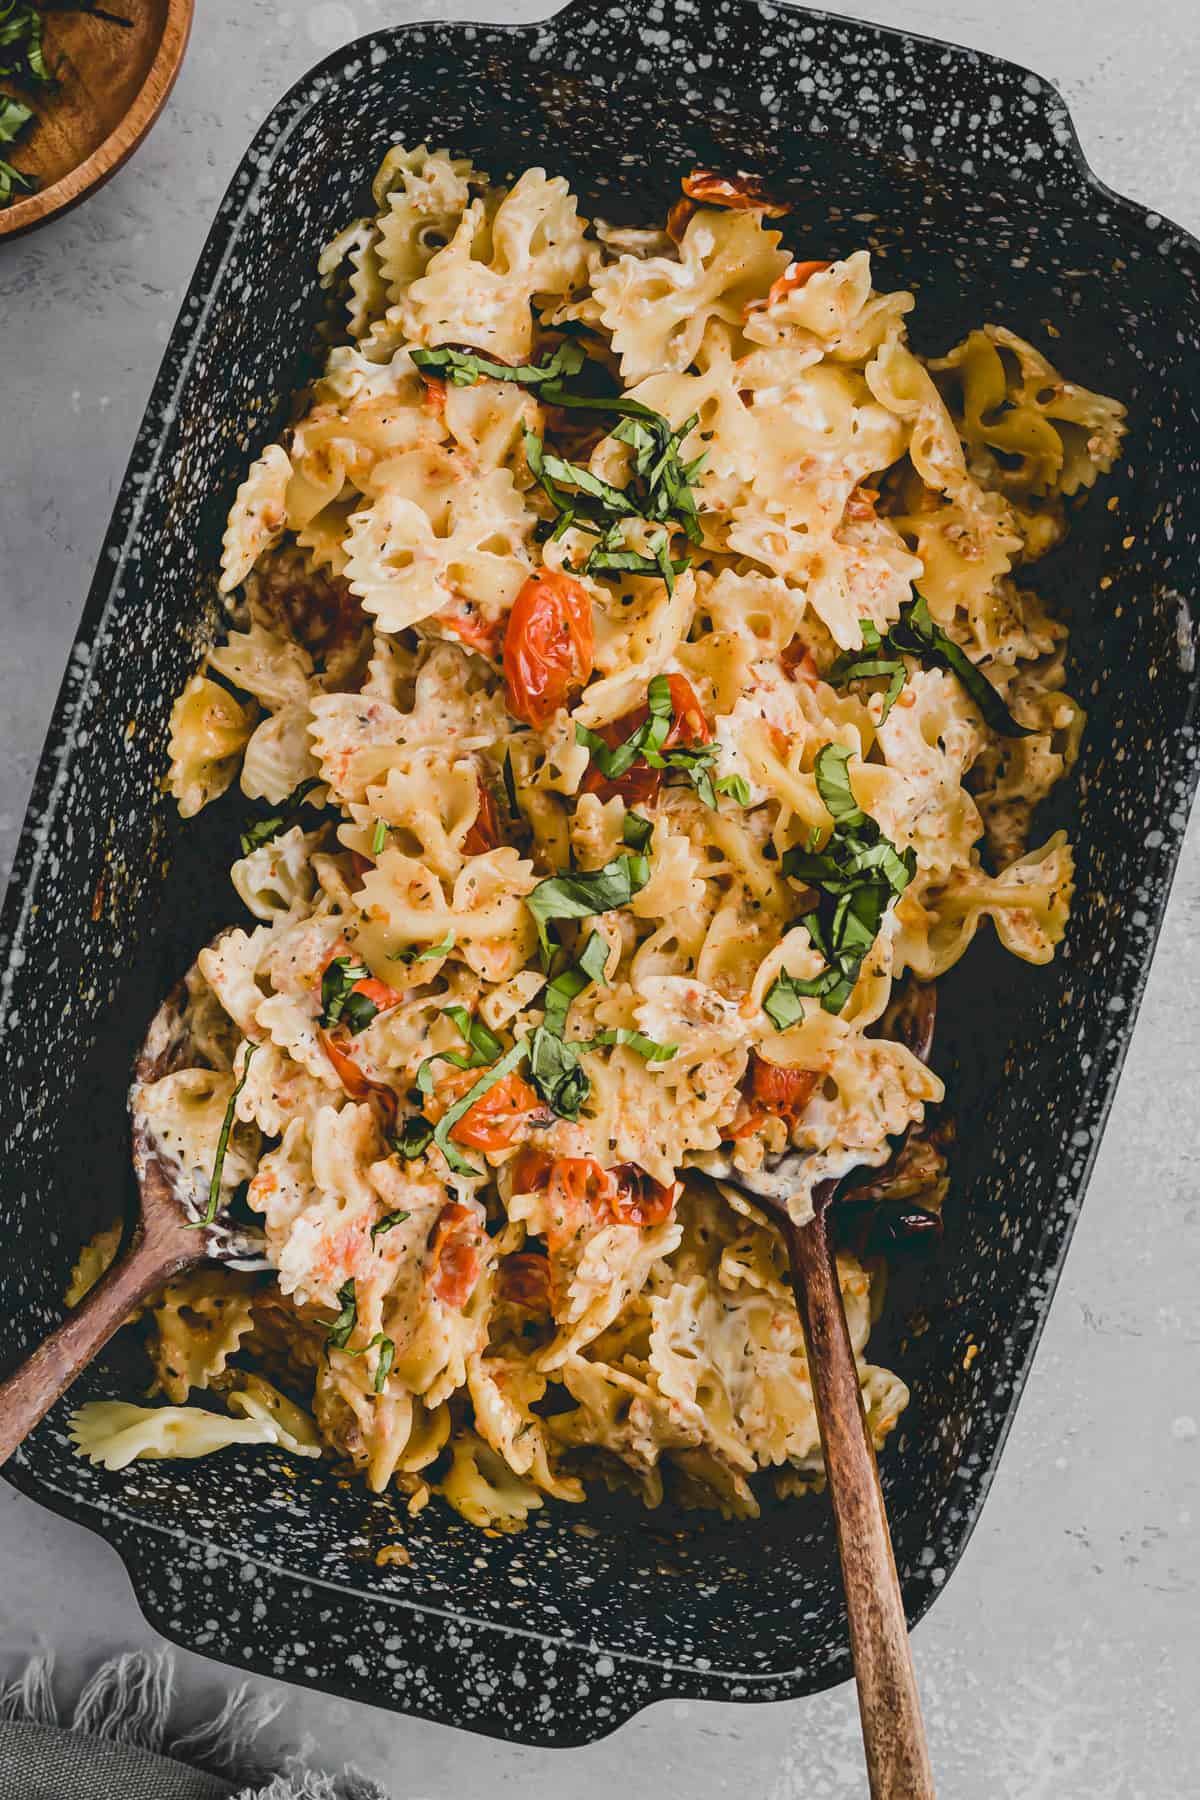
(648,741)
(387,1356)
(413,1138)
(342,1329)
(14,117)
(260,831)
(339,1003)
(833,785)
(214,1186)
(464,367)
(782,1002)
(510,785)
(556,1072)
(736,786)
(637,1041)
(410,953)
(392,1219)
(628,562)
(866,666)
(554,1066)
(379,837)
(916,634)
(559,993)
(483,1047)
(582,895)
(636,831)
(857,876)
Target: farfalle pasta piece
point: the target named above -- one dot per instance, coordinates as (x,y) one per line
(1028,903)
(279,755)
(833,311)
(114,1434)
(656,309)
(421,195)
(277,880)
(276,671)
(521,247)
(434,532)
(258,517)
(209,731)
(1037,433)
(200,1320)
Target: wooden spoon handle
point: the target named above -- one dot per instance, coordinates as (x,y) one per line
(892,1727)
(28,1395)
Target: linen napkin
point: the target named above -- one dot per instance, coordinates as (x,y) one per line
(118,1744)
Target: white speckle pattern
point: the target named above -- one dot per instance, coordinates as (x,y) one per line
(959,172)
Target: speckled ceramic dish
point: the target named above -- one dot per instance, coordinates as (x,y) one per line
(964,177)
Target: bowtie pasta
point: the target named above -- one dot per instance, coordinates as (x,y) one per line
(630,664)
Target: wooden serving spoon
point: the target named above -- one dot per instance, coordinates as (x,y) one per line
(889,1706)
(167,1239)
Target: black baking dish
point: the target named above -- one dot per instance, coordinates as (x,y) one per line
(963,175)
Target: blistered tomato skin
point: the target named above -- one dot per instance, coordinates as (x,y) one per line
(549,646)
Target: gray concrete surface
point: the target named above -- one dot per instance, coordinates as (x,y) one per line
(1062,1660)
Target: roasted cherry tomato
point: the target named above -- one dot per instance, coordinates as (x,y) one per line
(635,1199)
(525,1281)
(640,783)
(485,832)
(357,1085)
(778,1090)
(740,193)
(463,618)
(495,1118)
(549,646)
(796,659)
(796,275)
(454,1261)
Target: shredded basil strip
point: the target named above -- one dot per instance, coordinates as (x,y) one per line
(464,367)
(582,895)
(483,1047)
(387,1356)
(342,1329)
(214,1186)
(510,785)
(390,1220)
(559,993)
(637,1041)
(339,1003)
(410,953)
(833,785)
(646,740)
(737,788)
(857,876)
(413,1138)
(636,831)
(379,837)
(258,832)
(869,664)
(916,634)
(554,1066)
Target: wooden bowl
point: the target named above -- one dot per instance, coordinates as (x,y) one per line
(113,83)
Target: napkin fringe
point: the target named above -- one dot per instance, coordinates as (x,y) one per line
(128,1701)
